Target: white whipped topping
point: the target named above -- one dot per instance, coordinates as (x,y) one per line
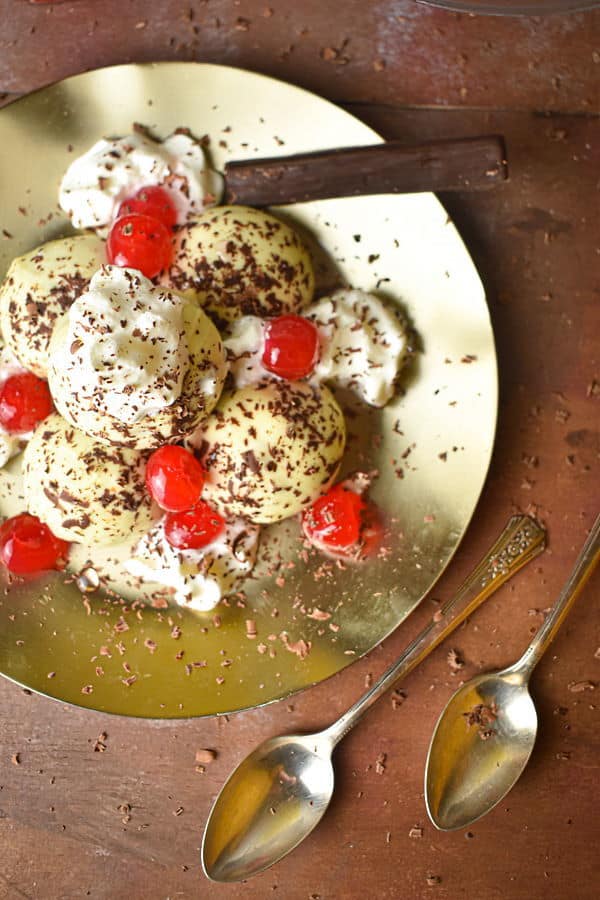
(10,444)
(198,578)
(95,184)
(244,346)
(125,352)
(363,346)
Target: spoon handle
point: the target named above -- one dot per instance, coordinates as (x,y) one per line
(521,540)
(583,568)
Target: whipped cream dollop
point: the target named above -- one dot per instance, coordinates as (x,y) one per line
(363,346)
(10,444)
(115,168)
(244,347)
(126,346)
(197,578)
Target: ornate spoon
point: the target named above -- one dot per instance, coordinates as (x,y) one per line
(485,735)
(279,793)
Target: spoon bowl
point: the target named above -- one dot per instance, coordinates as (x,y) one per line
(269,804)
(482,743)
(485,735)
(280,792)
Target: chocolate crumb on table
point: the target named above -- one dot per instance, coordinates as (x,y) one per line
(576,687)
(398,698)
(455,661)
(100,744)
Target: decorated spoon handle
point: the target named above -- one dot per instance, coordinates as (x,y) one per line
(521,541)
(586,562)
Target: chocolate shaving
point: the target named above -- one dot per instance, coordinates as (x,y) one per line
(380,763)
(454,660)
(483,716)
(100,745)
(300,647)
(398,698)
(319,614)
(205,757)
(576,687)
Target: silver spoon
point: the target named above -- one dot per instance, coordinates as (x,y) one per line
(279,793)
(485,735)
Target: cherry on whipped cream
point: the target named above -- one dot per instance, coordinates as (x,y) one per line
(152,201)
(139,242)
(174,478)
(195,528)
(291,347)
(25,400)
(343,523)
(28,547)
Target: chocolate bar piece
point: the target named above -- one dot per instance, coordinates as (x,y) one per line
(389,168)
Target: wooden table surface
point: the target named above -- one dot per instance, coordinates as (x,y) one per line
(127,822)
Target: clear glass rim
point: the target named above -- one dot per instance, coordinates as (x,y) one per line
(500,8)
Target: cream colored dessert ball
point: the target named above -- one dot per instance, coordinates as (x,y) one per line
(84,491)
(271,450)
(134,365)
(39,287)
(239,261)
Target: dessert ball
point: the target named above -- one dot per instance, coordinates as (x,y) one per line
(236,261)
(84,491)
(39,287)
(270,450)
(134,365)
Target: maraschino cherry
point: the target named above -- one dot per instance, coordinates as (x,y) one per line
(291,347)
(28,547)
(174,478)
(25,401)
(194,528)
(152,201)
(139,242)
(343,523)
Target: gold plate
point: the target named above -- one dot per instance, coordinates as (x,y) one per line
(431,446)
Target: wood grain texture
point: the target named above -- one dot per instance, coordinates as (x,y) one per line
(392,51)
(77,823)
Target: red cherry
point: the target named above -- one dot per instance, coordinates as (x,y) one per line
(291,347)
(27,546)
(343,522)
(139,242)
(25,401)
(174,478)
(150,201)
(194,528)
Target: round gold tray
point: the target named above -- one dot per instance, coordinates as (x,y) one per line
(431,447)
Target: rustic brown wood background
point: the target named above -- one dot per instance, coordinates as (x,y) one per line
(126,823)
